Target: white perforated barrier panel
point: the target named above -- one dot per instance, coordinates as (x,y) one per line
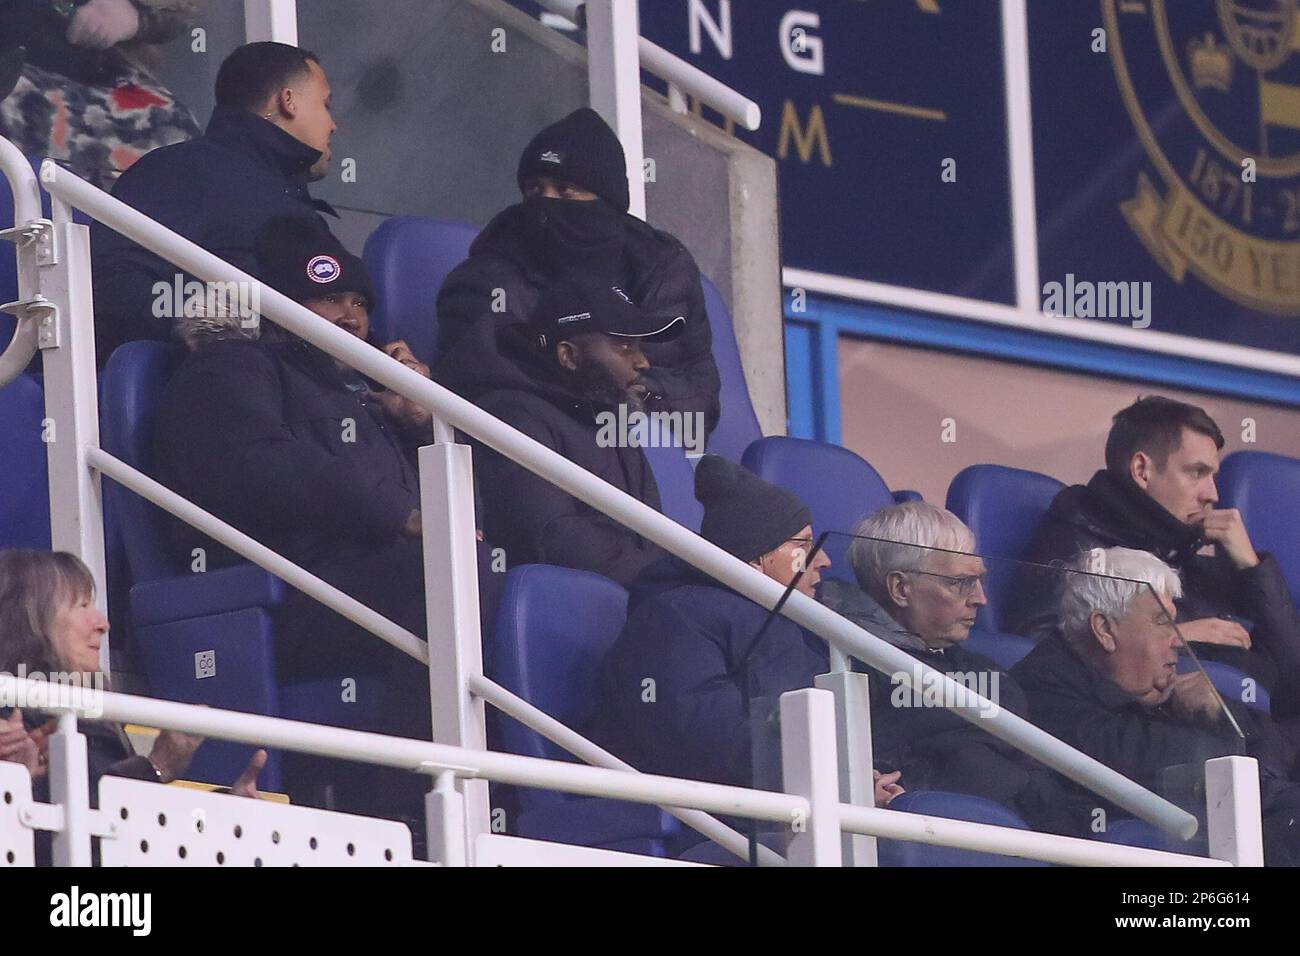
(16,841)
(177,826)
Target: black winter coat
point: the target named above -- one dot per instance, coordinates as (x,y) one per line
(1108,513)
(1084,708)
(938,750)
(218,190)
(657,272)
(531,519)
(696,640)
(270,438)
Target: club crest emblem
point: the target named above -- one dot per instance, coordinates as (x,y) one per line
(1213,90)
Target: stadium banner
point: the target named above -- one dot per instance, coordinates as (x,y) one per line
(1166,148)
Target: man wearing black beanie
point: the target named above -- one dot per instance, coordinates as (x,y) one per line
(675,688)
(573,224)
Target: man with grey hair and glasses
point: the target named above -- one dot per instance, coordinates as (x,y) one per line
(920,585)
(1108,685)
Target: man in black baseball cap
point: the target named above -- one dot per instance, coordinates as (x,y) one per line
(567,378)
(573,224)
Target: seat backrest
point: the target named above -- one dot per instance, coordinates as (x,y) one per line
(24,479)
(552,629)
(1265,488)
(954,806)
(1003,506)
(839,486)
(675,475)
(738,424)
(132,387)
(409,257)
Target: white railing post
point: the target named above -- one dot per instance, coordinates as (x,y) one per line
(614,79)
(70,788)
(71,427)
(452,613)
(271,20)
(853,742)
(1020,155)
(809,769)
(445,822)
(1232,810)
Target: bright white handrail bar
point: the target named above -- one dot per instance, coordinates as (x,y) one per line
(1007,841)
(22,183)
(258,553)
(582,748)
(416,756)
(397,636)
(628,511)
(691,79)
(27,209)
(435,759)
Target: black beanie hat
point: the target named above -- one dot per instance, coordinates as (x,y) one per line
(583,150)
(743,514)
(302,259)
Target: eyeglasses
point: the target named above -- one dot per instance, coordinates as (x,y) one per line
(964,586)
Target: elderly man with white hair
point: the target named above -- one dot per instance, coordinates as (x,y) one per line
(920,586)
(1108,685)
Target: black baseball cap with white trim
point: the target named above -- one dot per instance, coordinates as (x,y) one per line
(572,308)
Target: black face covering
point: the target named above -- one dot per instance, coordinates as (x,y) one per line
(571,235)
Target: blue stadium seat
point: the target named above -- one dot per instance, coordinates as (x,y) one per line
(178,614)
(547,652)
(1265,488)
(1005,650)
(24,481)
(838,485)
(738,424)
(675,476)
(1003,507)
(1232,683)
(409,257)
(955,806)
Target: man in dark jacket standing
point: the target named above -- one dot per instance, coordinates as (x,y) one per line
(675,690)
(561,379)
(268,137)
(920,586)
(1157,494)
(573,223)
(1107,683)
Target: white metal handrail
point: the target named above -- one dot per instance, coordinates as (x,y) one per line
(686,77)
(26,227)
(397,636)
(436,760)
(634,514)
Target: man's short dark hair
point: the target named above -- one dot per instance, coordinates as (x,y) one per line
(1154,424)
(255,72)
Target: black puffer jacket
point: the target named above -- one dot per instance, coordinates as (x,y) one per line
(269,437)
(526,515)
(1108,513)
(656,270)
